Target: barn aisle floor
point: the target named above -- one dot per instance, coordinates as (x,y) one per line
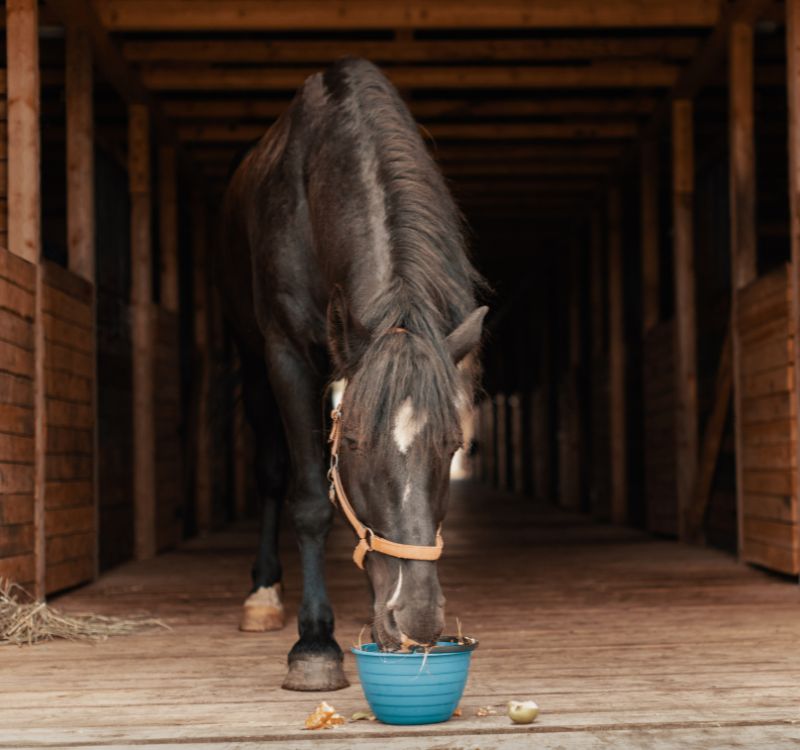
(623,640)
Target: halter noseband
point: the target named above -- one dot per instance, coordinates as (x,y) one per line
(368,540)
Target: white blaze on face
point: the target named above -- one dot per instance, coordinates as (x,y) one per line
(406,493)
(396,593)
(407,425)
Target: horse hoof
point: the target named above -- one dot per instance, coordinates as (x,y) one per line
(263,610)
(315,673)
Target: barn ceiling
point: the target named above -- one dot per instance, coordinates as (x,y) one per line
(530,107)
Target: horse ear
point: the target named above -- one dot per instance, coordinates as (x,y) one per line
(467,336)
(347,338)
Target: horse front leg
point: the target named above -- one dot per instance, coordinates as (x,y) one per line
(315,661)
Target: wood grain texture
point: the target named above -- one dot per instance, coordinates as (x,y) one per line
(767,449)
(623,640)
(686,433)
(251,15)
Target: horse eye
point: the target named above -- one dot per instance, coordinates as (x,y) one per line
(352,443)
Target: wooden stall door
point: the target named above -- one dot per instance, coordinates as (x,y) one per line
(661,498)
(169,471)
(17,449)
(600,439)
(769,513)
(70,512)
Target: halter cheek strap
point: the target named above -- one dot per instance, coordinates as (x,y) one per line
(368,540)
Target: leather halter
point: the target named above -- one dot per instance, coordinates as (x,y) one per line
(368,540)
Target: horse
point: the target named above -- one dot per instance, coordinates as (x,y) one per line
(343,257)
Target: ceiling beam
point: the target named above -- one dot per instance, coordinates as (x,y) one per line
(414,51)
(256,15)
(249,109)
(618,75)
(440,131)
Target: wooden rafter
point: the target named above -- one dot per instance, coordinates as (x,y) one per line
(250,109)
(255,15)
(413,51)
(617,75)
(442,131)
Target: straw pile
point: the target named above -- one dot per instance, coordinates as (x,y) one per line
(24,621)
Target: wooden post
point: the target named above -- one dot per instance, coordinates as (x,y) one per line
(650,236)
(168,226)
(144,482)
(501,438)
(793,91)
(24,152)
(686,435)
(742,191)
(80,153)
(24,220)
(616,363)
(202,340)
(80,200)
(597,267)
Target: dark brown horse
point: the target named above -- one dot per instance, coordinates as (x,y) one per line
(344,258)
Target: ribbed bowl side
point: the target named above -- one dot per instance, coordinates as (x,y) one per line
(413,690)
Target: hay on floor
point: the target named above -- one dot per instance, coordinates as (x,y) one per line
(25,621)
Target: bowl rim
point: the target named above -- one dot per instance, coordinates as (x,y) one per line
(455,646)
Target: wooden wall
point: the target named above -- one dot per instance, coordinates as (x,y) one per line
(3,163)
(69,373)
(769,408)
(600,475)
(169,468)
(17,469)
(659,430)
(115,426)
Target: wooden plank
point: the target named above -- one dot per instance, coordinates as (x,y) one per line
(16,390)
(769,482)
(768,408)
(617,362)
(69,414)
(16,509)
(602,76)
(16,478)
(24,151)
(564,48)
(650,234)
(142,331)
(70,573)
(80,152)
(16,360)
(168,226)
(251,15)
(16,330)
(763,553)
(16,420)
(18,271)
(16,299)
(68,494)
(70,547)
(778,456)
(20,568)
(66,333)
(69,440)
(69,467)
(235,132)
(64,306)
(16,448)
(685,324)
(768,382)
(742,198)
(793,92)
(68,386)
(781,507)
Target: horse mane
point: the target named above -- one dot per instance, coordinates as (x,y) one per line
(433,285)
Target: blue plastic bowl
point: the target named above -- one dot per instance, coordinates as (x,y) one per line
(408,688)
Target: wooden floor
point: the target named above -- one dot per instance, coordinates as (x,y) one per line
(623,640)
